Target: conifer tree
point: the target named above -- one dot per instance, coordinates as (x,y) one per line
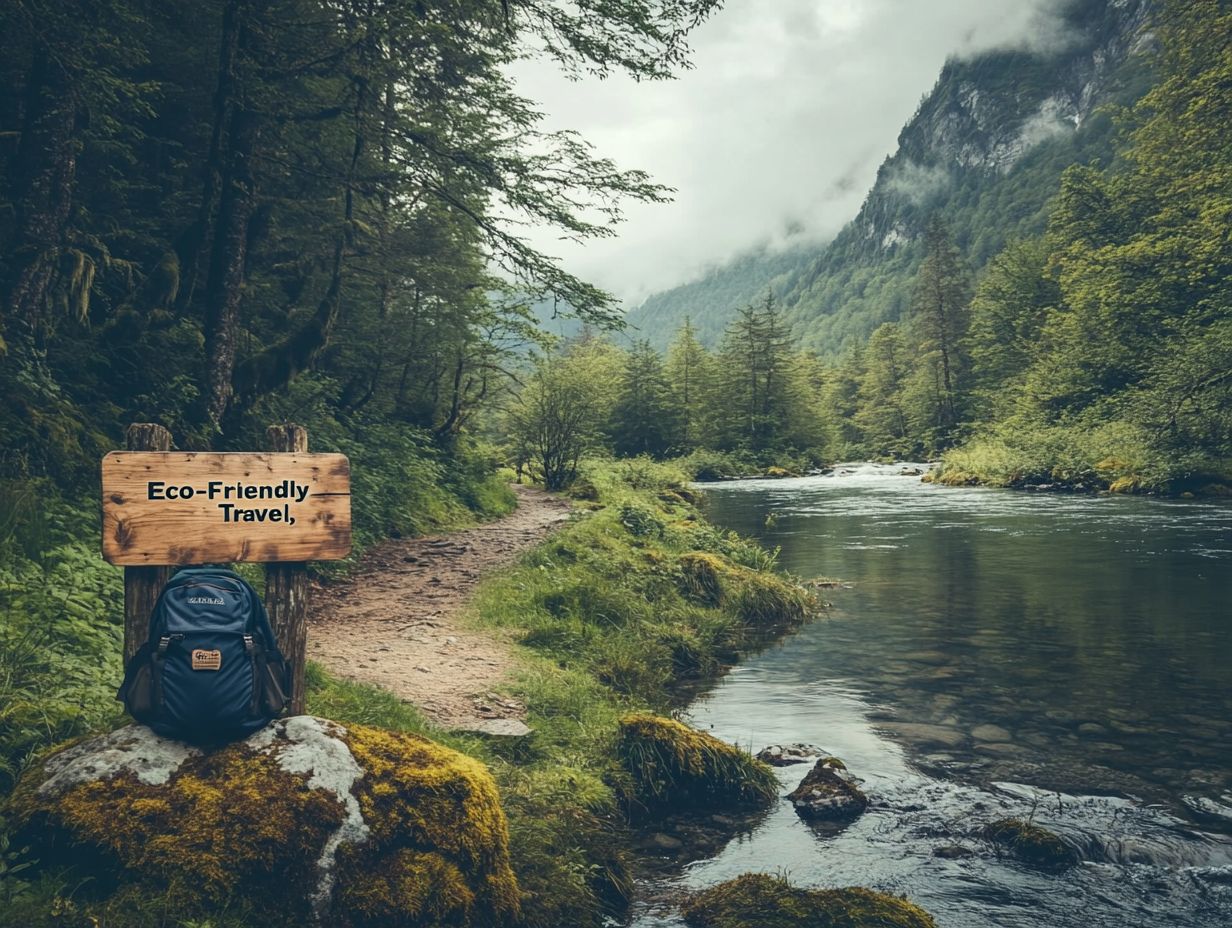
(939,318)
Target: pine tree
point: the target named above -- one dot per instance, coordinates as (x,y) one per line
(645,419)
(939,317)
(882,414)
(756,375)
(690,370)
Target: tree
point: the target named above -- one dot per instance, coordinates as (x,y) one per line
(690,369)
(292,199)
(1008,313)
(939,317)
(757,385)
(645,419)
(556,420)
(882,415)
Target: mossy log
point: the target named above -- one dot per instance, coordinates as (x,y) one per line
(303,821)
(771,902)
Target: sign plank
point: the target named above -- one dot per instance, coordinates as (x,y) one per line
(204,507)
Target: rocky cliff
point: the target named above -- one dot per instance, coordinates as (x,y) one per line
(985,148)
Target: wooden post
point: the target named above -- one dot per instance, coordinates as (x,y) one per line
(142,584)
(286,584)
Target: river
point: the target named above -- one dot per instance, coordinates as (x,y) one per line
(992,653)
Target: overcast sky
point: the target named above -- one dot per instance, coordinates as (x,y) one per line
(778,130)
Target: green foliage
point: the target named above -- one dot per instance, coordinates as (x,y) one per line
(61,629)
(561,411)
(645,419)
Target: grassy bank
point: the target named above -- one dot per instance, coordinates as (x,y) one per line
(631,608)
(1116,457)
(706,465)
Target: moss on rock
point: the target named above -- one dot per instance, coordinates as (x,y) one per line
(1034,846)
(758,899)
(779,473)
(306,819)
(671,763)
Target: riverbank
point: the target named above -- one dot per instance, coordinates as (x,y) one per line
(1113,458)
(633,606)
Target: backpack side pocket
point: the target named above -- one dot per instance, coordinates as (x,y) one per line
(137,692)
(275,684)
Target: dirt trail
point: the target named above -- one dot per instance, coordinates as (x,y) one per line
(395,622)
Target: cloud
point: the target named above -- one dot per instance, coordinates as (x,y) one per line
(918,183)
(776,134)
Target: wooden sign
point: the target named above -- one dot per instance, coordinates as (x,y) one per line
(198,508)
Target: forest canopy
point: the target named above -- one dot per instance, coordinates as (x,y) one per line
(221,211)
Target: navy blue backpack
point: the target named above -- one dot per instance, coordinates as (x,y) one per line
(211,669)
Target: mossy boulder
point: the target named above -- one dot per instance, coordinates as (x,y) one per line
(670,764)
(305,820)
(758,899)
(1034,846)
(780,473)
(828,793)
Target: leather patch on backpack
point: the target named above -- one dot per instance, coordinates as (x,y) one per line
(206,660)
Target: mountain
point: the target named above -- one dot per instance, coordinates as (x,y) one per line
(985,150)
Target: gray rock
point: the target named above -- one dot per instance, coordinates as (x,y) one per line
(921,734)
(952,852)
(500,728)
(784,755)
(990,733)
(828,793)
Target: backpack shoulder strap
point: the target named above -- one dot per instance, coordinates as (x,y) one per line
(259,620)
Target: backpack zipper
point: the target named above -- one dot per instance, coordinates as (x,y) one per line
(210,586)
(250,649)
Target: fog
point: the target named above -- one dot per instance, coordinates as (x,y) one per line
(776,133)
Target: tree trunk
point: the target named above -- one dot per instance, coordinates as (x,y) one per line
(233,18)
(286,585)
(224,288)
(44,176)
(142,584)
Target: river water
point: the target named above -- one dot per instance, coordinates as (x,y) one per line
(993,653)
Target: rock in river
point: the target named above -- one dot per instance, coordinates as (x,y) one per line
(923,735)
(758,899)
(990,733)
(1035,846)
(828,793)
(784,755)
